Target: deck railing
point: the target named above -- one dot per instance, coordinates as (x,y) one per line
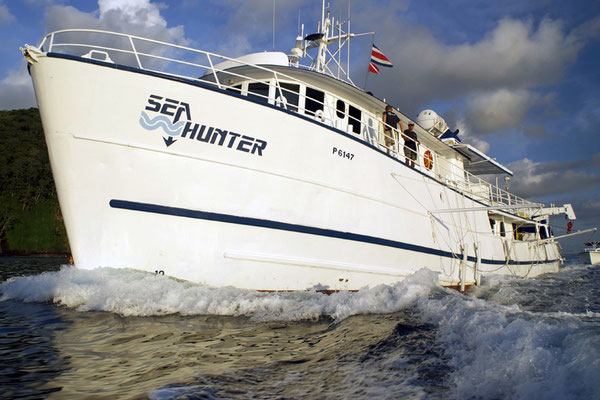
(198,65)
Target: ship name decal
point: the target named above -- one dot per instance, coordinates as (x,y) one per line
(175,119)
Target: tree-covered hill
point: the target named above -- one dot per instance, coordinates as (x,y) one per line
(30,220)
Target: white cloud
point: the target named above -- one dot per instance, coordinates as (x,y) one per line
(17,90)
(6,16)
(467,136)
(503,108)
(65,17)
(138,12)
(514,54)
(250,24)
(135,17)
(505,67)
(589,30)
(538,179)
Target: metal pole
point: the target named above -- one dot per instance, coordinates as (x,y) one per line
(486,208)
(463,269)
(564,236)
(478,265)
(348,49)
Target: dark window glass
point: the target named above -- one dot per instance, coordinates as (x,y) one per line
(290,91)
(314,100)
(258,91)
(340,109)
(355,117)
(235,89)
(502,230)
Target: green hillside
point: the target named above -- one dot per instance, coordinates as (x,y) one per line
(30,219)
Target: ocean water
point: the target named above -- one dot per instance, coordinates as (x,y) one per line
(68,333)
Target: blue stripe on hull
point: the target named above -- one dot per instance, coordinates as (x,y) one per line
(263,223)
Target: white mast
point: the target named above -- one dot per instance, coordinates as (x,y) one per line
(323,42)
(326,35)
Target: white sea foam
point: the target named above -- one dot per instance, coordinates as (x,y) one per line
(499,351)
(135,293)
(496,349)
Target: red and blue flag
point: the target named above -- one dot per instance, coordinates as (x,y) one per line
(373,68)
(378,58)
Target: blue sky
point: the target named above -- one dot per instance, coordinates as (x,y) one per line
(521,79)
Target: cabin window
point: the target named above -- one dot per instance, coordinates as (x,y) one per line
(290,92)
(314,101)
(492,224)
(355,118)
(502,229)
(527,232)
(258,91)
(340,109)
(543,232)
(235,89)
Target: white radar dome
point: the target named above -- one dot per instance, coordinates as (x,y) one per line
(432,122)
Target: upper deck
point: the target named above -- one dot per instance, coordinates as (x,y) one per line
(268,79)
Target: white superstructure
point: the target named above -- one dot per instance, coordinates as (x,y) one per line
(260,173)
(591,253)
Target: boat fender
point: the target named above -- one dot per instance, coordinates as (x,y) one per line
(320,115)
(281,101)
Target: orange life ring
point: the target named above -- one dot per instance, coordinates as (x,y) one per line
(428,160)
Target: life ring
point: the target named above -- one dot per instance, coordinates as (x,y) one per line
(428,160)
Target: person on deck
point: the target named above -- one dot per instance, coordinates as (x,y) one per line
(410,145)
(390,127)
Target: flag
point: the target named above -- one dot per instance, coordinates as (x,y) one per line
(373,68)
(378,58)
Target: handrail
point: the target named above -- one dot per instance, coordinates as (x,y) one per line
(460,179)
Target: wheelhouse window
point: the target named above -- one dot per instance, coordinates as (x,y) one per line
(314,101)
(290,93)
(340,109)
(355,117)
(258,91)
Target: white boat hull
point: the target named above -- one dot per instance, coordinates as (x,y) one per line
(591,257)
(286,210)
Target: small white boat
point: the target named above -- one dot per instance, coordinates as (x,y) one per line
(260,172)
(591,253)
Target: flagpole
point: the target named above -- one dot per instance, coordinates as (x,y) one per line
(367,74)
